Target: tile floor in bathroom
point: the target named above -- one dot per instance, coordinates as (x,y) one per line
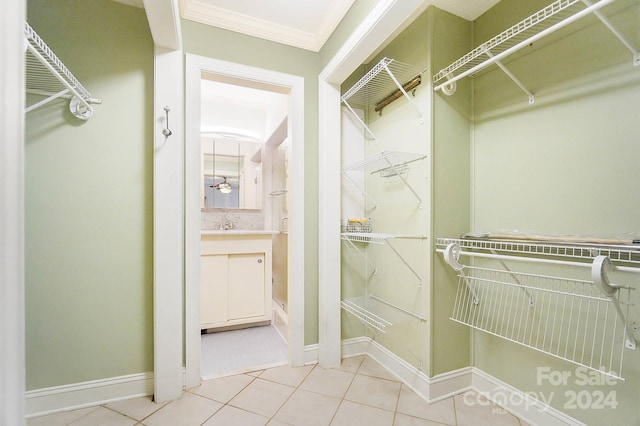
(359,392)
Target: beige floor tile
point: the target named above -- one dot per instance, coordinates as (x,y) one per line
(370,367)
(137,408)
(328,382)
(287,375)
(404,420)
(60,419)
(232,416)
(374,391)
(308,409)
(189,410)
(224,388)
(274,422)
(472,410)
(412,405)
(262,397)
(352,413)
(351,364)
(104,417)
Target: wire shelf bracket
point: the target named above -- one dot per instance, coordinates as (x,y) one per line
(580,321)
(46,75)
(557,15)
(387,164)
(380,80)
(385,239)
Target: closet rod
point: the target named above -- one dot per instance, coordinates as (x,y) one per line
(537,260)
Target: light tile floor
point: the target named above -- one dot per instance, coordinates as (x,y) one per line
(359,392)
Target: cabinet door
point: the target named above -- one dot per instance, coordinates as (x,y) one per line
(246,285)
(213,296)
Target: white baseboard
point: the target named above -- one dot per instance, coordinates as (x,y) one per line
(519,403)
(87,394)
(442,386)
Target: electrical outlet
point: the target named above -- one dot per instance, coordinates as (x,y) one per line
(635,328)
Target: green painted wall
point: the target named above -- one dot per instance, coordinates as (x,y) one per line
(566,164)
(450,38)
(89,210)
(354,17)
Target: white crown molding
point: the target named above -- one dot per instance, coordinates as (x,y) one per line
(332,19)
(203,13)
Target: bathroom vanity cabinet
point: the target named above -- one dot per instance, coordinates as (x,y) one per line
(235,278)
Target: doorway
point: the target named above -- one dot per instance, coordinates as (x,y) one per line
(281,217)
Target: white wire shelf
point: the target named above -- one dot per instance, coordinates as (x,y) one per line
(619,254)
(379,238)
(567,318)
(377,313)
(580,321)
(387,81)
(386,164)
(382,79)
(555,16)
(47,76)
(384,160)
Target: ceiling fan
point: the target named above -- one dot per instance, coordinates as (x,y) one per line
(224,186)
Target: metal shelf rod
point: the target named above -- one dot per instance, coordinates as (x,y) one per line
(539,260)
(526,42)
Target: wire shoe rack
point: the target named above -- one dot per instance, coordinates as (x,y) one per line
(577,320)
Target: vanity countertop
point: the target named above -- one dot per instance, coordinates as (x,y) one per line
(230,232)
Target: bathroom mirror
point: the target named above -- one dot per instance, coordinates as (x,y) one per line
(231,174)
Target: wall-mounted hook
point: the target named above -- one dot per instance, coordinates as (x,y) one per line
(166,132)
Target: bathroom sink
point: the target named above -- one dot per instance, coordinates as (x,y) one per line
(238,232)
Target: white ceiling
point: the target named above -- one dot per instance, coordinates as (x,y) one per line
(306,24)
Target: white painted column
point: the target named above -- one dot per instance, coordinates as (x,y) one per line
(329,334)
(168,199)
(12,311)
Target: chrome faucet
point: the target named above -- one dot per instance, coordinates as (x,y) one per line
(226,223)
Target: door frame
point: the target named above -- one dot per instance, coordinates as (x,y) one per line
(384,20)
(294,87)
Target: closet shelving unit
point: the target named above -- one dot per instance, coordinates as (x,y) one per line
(386,82)
(583,321)
(381,86)
(386,164)
(557,15)
(46,75)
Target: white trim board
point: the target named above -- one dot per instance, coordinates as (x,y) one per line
(55,399)
(12,148)
(272,80)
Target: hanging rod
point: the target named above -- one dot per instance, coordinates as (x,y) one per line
(48,76)
(519,36)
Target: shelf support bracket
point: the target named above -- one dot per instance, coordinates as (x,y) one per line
(357,117)
(375,269)
(512,77)
(618,34)
(362,191)
(386,240)
(404,92)
(397,172)
(599,269)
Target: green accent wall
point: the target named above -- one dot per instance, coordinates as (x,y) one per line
(564,165)
(450,38)
(89,212)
